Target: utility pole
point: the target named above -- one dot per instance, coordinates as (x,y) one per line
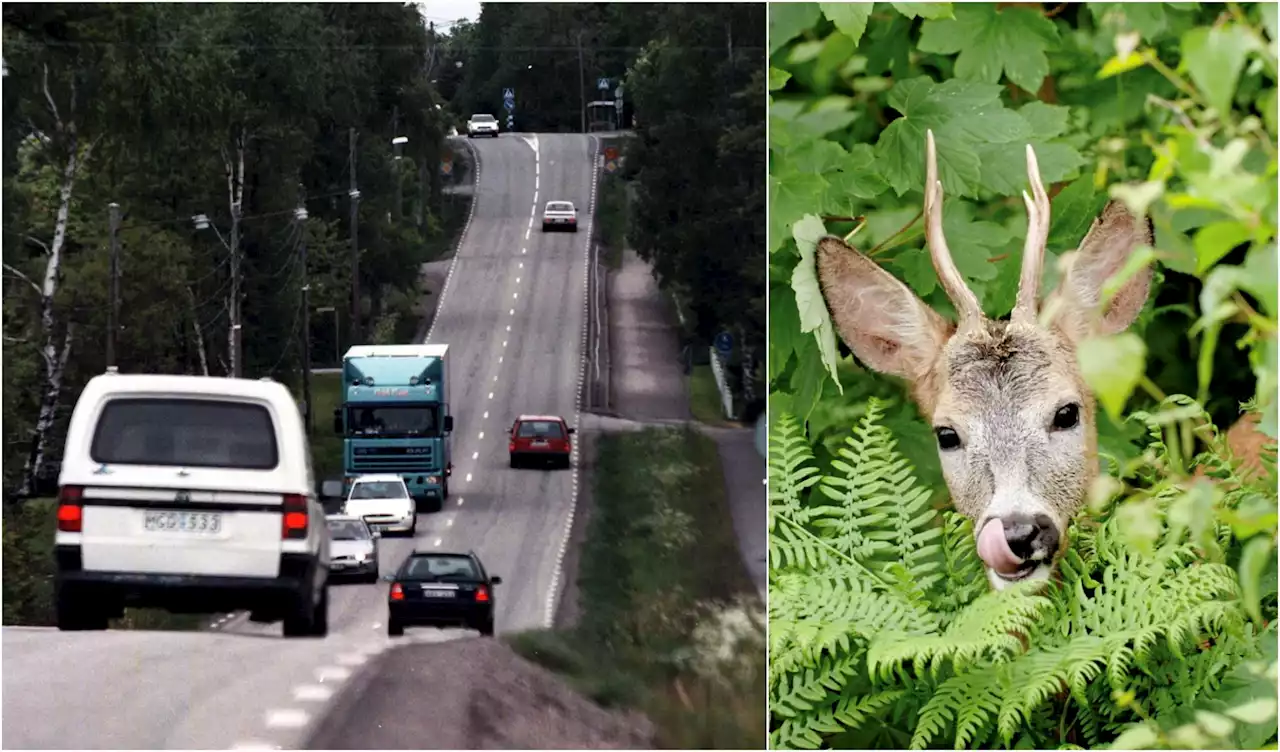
(237,343)
(582,85)
(355,242)
(301,215)
(113,309)
(395,131)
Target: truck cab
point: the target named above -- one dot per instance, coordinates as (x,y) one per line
(394,418)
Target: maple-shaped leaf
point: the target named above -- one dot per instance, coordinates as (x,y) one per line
(1011,40)
(962,115)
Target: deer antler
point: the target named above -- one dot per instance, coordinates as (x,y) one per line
(952,283)
(1024,310)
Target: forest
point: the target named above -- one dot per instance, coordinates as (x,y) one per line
(1159,629)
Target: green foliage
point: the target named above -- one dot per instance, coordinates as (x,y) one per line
(883,632)
(882,639)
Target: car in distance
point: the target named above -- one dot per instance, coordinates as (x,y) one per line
(482,125)
(560,215)
(353,548)
(384,503)
(190,494)
(542,439)
(441,590)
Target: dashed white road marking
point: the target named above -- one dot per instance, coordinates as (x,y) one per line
(255,745)
(512,312)
(312,693)
(508,327)
(495,377)
(527,233)
(490,395)
(475,455)
(486,413)
(517,278)
(287,718)
(437,542)
(460,502)
(515,295)
(481,436)
(468,480)
(332,673)
(499,358)
(524,250)
(521,266)
(449,522)
(504,343)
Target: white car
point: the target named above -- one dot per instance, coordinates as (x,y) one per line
(482,125)
(560,215)
(383,502)
(191,494)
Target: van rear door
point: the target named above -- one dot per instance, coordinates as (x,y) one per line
(186,488)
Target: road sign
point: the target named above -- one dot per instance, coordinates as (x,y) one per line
(510,120)
(602,84)
(510,104)
(724,343)
(610,153)
(509,94)
(446,167)
(610,166)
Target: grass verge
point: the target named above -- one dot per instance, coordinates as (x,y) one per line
(612,215)
(670,623)
(28,574)
(326,446)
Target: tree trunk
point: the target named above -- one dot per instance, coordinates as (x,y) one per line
(54,361)
(195,325)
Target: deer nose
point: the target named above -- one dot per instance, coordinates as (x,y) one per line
(1031,537)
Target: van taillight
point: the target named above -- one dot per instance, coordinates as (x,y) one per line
(70,512)
(294,523)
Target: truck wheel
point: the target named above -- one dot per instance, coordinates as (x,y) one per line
(73,616)
(444,490)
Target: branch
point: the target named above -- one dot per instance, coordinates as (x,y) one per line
(38,242)
(53,106)
(26,279)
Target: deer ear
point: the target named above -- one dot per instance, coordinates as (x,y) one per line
(878,317)
(1115,234)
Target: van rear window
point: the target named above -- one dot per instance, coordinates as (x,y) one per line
(186,433)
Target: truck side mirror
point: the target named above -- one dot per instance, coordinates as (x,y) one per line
(448,423)
(337,420)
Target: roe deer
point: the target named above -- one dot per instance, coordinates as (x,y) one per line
(1013,417)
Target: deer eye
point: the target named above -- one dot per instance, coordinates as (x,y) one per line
(947,438)
(1067,417)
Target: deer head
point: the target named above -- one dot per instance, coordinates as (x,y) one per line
(1013,418)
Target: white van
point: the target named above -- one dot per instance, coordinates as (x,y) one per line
(191,494)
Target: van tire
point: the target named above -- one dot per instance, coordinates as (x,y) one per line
(76,617)
(300,621)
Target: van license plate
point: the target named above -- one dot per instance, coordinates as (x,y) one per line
(194,523)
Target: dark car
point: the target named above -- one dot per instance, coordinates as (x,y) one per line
(441,590)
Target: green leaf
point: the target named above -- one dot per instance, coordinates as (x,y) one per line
(788,20)
(1216,240)
(849,18)
(1138,197)
(1148,19)
(1047,121)
(1268,13)
(814,316)
(1261,710)
(1072,213)
(808,379)
(852,173)
(778,78)
(1214,58)
(1254,560)
(784,330)
(1004,166)
(990,41)
(924,10)
(962,116)
(791,196)
(1112,367)
(1117,65)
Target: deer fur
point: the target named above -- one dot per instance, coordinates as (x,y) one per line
(1003,391)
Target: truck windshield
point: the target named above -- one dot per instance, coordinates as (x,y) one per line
(389,421)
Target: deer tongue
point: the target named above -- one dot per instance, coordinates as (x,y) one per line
(994,550)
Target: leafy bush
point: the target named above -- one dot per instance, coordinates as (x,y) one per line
(877,617)
(883,633)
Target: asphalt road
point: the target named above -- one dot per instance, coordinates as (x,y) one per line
(513,313)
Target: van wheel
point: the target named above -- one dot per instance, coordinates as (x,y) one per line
(300,621)
(320,618)
(75,617)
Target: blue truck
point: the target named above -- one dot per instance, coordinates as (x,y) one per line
(394,418)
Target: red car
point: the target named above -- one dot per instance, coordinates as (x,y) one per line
(541,438)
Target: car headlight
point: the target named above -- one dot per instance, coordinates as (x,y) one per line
(360,557)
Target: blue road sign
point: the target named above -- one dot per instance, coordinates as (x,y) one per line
(509,121)
(510,104)
(724,343)
(602,84)
(509,94)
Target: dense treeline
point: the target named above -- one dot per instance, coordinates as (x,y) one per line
(694,96)
(177,110)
